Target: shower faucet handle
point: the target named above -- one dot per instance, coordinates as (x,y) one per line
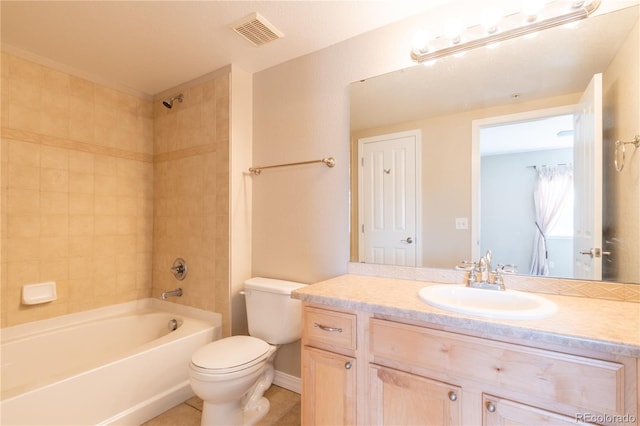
(179,268)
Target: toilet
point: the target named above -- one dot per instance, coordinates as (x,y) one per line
(230,375)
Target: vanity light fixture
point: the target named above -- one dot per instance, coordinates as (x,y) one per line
(536,16)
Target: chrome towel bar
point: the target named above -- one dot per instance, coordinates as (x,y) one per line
(328,161)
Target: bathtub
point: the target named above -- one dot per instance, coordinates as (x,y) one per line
(116,365)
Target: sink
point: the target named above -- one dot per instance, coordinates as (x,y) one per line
(508,304)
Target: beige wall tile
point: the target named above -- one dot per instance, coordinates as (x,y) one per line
(64,215)
(54,158)
(54,180)
(81,183)
(22,201)
(81,214)
(54,225)
(186,193)
(23,177)
(26,154)
(54,202)
(23,226)
(81,162)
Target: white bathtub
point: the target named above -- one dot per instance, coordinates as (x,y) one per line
(116,365)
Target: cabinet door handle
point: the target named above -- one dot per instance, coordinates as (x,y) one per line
(452,396)
(491,407)
(347,365)
(326,328)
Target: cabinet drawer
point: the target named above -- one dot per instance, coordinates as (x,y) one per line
(335,329)
(498,411)
(544,376)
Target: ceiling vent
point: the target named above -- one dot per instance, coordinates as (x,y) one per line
(257,30)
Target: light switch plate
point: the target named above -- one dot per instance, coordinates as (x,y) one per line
(462,223)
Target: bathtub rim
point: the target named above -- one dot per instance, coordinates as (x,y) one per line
(33,328)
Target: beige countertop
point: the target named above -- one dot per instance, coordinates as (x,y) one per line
(581,323)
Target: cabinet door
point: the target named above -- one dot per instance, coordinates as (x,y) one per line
(503,412)
(328,388)
(398,398)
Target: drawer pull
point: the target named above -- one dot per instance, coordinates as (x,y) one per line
(347,365)
(491,407)
(452,396)
(325,328)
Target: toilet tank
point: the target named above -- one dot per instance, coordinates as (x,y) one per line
(272,315)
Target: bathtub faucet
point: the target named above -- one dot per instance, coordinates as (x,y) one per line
(176,292)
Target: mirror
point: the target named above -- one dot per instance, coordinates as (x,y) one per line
(440,103)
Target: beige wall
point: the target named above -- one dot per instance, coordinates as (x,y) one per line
(77,191)
(191,214)
(301,112)
(621,90)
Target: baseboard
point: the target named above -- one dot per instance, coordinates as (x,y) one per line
(287,381)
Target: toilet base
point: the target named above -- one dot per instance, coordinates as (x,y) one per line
(229,413)
(256,406)
(247,411)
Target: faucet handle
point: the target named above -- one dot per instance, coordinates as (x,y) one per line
(498,277)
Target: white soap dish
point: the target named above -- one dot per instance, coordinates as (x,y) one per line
(32,294)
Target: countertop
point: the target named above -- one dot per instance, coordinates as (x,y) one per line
(581,323)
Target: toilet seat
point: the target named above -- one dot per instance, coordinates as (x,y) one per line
(231,354)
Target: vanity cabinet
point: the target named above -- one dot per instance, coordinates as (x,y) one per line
(328,367)
(418,373)
(546,387)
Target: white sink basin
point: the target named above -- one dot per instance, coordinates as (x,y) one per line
(508,304)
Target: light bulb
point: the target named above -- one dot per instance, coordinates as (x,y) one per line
(490,19)
(420,41)
(531,9)
(453,30)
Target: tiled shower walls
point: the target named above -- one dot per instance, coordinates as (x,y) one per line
(79,198)
(191,202)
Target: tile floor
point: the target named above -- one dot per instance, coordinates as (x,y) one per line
(285,411)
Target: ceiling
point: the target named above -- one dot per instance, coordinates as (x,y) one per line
(147,47)
(554,132)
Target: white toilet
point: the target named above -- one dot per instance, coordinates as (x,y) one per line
(230,375)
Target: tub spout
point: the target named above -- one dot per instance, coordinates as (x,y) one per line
(176,292)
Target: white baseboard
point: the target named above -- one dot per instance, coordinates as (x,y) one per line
(287,381)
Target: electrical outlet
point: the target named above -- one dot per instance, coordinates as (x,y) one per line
(462,223)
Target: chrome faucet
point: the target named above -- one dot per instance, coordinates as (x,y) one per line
(481,275)
(176,292)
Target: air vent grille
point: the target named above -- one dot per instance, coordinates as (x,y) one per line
(257,30)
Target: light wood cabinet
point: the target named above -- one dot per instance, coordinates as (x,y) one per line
(328,368)
(419,373)
(398,398)
(328,388)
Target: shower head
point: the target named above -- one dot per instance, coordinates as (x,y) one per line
(169,102)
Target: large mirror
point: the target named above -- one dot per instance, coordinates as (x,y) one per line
(453,148)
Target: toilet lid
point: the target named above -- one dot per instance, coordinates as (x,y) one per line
(230,352)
